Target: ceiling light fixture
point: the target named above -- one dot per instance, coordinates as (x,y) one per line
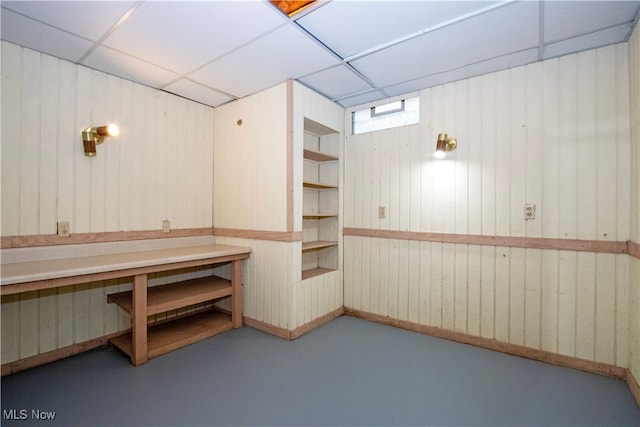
(290,8)
(444,145)
(95,135)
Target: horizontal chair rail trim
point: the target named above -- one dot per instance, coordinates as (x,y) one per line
(109,236)
(278,236)
(615,247)
(634,249)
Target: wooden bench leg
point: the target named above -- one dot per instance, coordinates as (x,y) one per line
(139,320)
(236,299)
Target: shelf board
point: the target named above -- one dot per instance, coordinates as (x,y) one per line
(308,184)
(171,335)
(318,156)
(176,295)
(318,215)
(318,244)
(313,272)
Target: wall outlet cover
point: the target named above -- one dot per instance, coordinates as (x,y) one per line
(529,211)
(63,228)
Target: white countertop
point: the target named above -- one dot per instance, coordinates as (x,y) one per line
(44,269)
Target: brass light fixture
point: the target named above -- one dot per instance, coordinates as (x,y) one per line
(95,135)
(444,145)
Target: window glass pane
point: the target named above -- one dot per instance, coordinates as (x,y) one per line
(392,107)
(385,118)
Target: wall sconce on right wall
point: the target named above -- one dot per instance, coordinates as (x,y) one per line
(444,145)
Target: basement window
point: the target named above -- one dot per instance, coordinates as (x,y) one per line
(393,114)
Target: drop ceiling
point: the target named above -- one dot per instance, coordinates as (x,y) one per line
(351,51)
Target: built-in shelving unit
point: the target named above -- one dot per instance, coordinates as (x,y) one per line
(172,334)
(320,210)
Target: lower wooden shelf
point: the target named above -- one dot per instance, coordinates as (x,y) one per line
(313,272)
(173,334)
(176,295)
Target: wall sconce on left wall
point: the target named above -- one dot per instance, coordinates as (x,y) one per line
(95,135)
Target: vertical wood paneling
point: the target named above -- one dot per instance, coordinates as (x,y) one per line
(474,290)
(46,178)
(585,132)
(30,161)
(532,298)
(550,143)
(489,131)
(11,113)
(49,145)
(503,154)
(253,157)
(533,135)
(10,315)
(551,133)
(469,178)
(549,298)
(487,292)
(517,278)
(461,290)
(634,154)
(518,149)
(568,181)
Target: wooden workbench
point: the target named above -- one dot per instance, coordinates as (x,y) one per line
(143,343)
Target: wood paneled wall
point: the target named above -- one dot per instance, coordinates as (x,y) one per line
(258,168)
(634,300)
(250,165)
(554,133)
(160,167)
(320,295)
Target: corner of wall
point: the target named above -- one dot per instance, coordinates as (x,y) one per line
(634,291)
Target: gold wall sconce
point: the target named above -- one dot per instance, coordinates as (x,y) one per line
(95,135)
(444,145)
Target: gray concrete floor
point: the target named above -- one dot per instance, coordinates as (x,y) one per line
(348,372)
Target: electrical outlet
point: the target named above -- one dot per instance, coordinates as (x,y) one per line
(529,211)
(63,229)
(166,226)
(381,212)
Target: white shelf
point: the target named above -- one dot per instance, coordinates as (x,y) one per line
(318,244)
(319,215)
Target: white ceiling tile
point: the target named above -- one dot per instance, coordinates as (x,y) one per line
(283,54)
(504,62)
(121,65)
(90,19)
(506,30)
(185,35)
(336,82)
(363,98)
(351,27)
(565,19)
(196,92)
(43,38)
(589,41)
(233,48)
